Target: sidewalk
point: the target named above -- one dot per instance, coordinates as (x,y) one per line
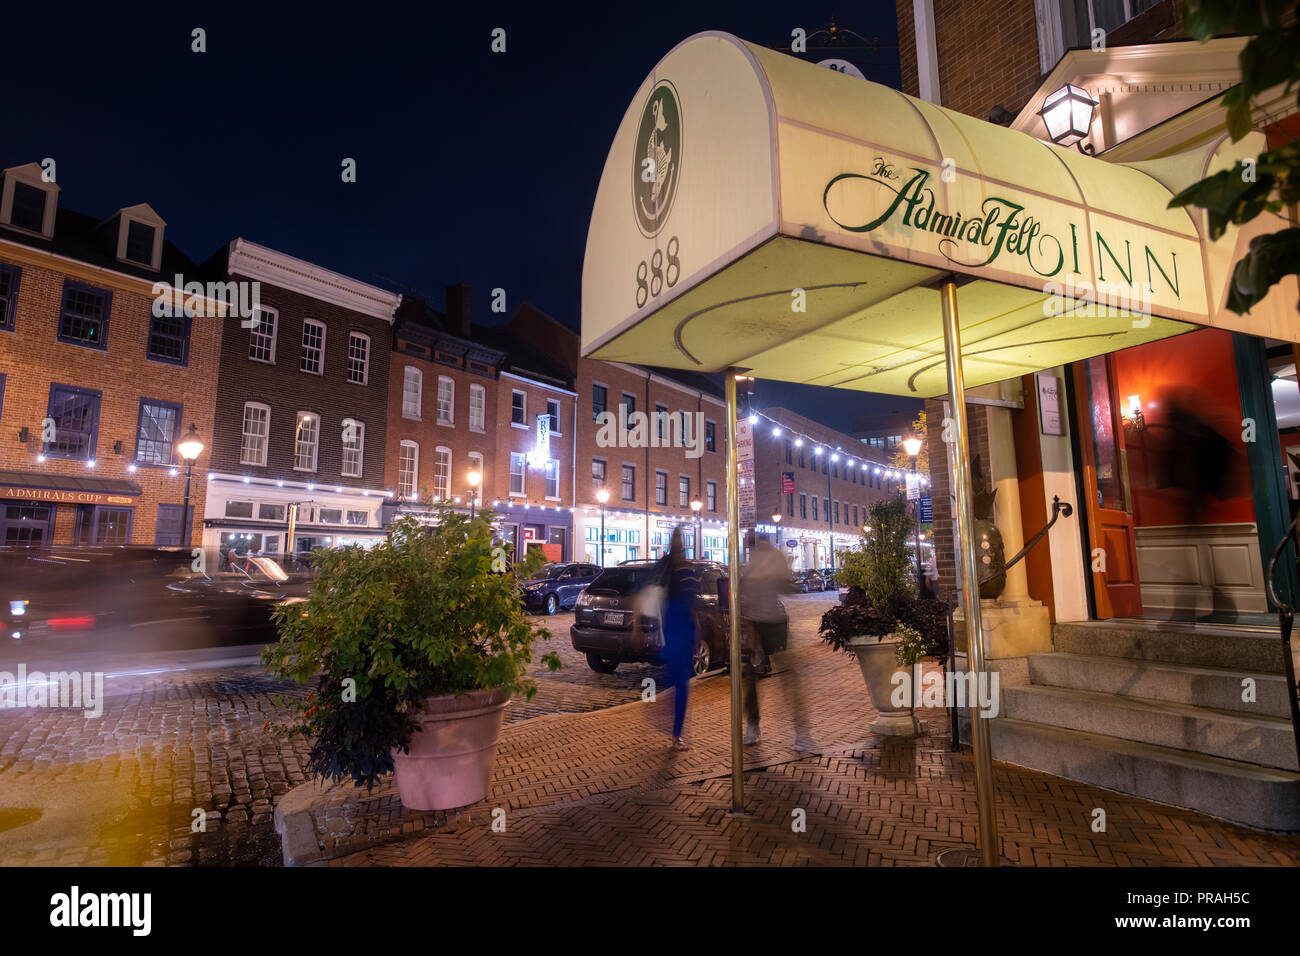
(604,788)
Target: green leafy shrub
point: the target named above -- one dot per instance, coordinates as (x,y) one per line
(423,614)
(882,564)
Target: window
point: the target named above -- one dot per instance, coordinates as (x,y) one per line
(306,442)
(628,406)
(358,358)
(710,443)
(553,412)
(597,474)
(661,487)
(661,420)
(2,391)
(803,504)
(835,469)
(789,504)
(789,452)
(28,208)
(257,424)
(517,465)
(269,512)
(855,514)
(518,408)
(441,473)
(597,401)
(446,400)
(815,518)
(477,408)
(683,491)
(313,347)
(139,242)
(239,509)
(113,525)
(9,276)
(837,512)
(76,422)
(629,483)
(824,465)
(412,392)
(801,460)
(169,338)
(156,431)
(354,444)
(84,317)
(331,516)
(261,337)
(408,469)
(359,518)
(553,479)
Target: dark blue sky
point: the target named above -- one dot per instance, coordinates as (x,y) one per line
(472,166)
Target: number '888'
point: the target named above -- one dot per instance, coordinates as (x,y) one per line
(663,271)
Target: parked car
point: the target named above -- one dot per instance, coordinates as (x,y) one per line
(829,582)
(609,627)
(806,581)
(557,585)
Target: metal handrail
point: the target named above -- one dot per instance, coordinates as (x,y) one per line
(1286,619)
(1059,508)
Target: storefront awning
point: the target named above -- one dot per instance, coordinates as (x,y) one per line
(758,211)
(66,489)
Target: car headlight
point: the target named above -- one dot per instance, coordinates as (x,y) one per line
(17,608)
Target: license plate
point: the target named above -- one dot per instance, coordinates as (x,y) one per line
(611,617)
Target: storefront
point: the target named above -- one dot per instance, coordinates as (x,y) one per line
(86,511)
(526,527)
(627,538)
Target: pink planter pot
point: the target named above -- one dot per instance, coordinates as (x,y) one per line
(450,763)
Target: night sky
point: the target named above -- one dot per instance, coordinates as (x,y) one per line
(471,166)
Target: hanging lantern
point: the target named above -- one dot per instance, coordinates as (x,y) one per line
(1068,114)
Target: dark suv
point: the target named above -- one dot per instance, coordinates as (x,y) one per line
(557,585)
(609,629)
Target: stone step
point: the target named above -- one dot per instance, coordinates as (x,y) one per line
(1216,687)
(1241,793)
(1253,650)
(1266,741)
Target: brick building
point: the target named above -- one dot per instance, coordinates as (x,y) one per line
(653,476)
(835,480)
(301,408)
(96,389)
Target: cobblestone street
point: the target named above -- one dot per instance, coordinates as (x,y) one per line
(123,788)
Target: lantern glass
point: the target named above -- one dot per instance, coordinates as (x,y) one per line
(1068,114)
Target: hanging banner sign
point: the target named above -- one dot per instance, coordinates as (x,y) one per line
(787,482)
(927,511)
(745,460)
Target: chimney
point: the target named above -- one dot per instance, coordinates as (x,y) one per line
(458,312)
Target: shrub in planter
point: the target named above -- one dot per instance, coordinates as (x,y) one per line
(425,614)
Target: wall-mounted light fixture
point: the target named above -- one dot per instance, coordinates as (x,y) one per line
(24,435)
(1068,114)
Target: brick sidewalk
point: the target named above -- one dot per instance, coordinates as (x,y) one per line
(604,788)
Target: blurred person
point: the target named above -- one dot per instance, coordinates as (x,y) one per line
(681,588)
(764,623)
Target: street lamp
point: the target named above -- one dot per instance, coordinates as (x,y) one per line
(1068,114)
(602,496)
(190,447)
(913,448)
(473,478)
(696,505)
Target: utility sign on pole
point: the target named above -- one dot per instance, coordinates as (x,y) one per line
(745,463)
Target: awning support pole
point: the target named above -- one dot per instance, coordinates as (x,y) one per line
(733,601)
(984,795)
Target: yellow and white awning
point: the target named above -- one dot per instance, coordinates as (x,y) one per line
(759,211)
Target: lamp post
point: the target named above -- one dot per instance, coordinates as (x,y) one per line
(602,496)
(473,478)
(190,447)
(696,505)
(913,448)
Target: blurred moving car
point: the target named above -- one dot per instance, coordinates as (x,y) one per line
(611,625)
(806,581)
(557,586)
(237,601)
(829,581)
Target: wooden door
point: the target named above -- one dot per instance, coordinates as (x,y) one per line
(1109,501)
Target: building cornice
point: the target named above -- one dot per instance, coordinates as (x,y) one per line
(539,384)
(283,271)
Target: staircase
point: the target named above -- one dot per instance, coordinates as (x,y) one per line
(1155,710)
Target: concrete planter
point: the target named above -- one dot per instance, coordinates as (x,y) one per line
(450,762)
(879,663)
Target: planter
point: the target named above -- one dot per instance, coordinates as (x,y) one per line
(450,761)
(879,663)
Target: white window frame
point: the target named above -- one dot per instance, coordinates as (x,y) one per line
(683,493)
(513,423)
(419,392)
(414,487)
(664,489)
(365,361)
(297,430)
(557,417)
(622,481)
(478,422)
(604,475)
(244,433)
(302,354)
(360,450)
(711,496)
(252,505)
(441,482)
(552,464)
(274,316)
(522,459)
(450,382)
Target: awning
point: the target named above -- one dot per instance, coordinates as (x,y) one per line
(758,211)
(58,489)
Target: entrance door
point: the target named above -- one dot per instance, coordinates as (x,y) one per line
(1107,492)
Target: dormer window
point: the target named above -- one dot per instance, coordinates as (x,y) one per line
(135,235)
(27,201)
(139,243)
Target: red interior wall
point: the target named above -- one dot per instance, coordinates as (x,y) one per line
(1203,362)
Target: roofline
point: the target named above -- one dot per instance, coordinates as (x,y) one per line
(297,275)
